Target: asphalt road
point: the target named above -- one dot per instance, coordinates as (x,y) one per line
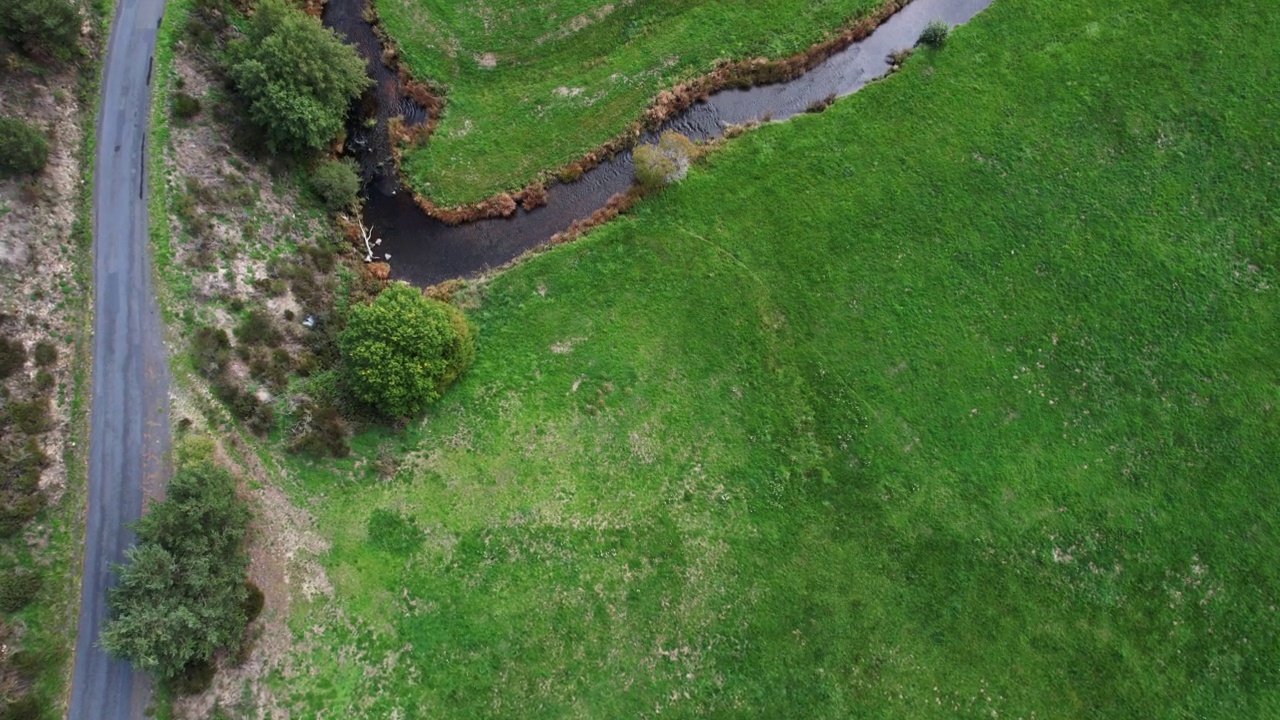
(129,430)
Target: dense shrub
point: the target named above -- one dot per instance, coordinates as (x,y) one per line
(254,601)
(322,341)
(664,163)
(257,415)
(20,496)
(44,380)
(270,368)
(935,34)
(182,595)
(17,510)
(32,416)
(18,587)
(297,77)
(337,183)
(46,354)
(41,27)
(13,355)
(207,19)
(403,350)
(26,707)
(257,330)
(185,106)
(24,150)
(210,350)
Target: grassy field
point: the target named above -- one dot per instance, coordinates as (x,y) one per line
(533,86)
(956,401)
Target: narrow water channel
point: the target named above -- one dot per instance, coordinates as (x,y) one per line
(425,251)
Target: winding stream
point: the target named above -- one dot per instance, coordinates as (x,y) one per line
(425,251)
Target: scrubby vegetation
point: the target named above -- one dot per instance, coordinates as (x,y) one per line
(957,400)
(336,183)
(26,419)
(23,148)
(261,274)
(13,356)
(296,75)
(182,596)
(50,54)
(935,34)
(18,587)
(186,106)
(401,351)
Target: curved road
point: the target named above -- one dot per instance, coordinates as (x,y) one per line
(129,428)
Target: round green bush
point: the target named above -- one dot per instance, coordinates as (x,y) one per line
(337,183)
(401,351)
(18,588)
(23,148)
(185,106)
(935,34)
(44,379)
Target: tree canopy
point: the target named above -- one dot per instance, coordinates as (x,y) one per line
(182,593)
(403,350)
(298,78)
(48,27)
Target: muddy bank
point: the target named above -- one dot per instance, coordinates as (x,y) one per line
(425,250)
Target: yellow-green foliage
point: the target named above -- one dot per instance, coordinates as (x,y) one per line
(402,350)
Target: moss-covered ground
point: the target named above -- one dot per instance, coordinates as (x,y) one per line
(958,400)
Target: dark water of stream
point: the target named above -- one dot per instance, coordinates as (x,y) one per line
(425,251)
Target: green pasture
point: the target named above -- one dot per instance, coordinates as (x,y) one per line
(958,400)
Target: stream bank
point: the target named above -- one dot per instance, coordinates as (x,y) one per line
(424,250)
